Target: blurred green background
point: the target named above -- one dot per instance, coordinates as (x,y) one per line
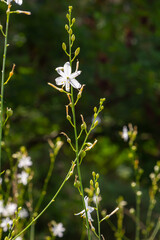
(120,60)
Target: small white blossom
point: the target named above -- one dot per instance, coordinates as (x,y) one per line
(67,78)
(88,208)
(9,209)
(5,222)
(25,162)
(23,213)
(23,177)
(1,207)
(58,230)
(18,238)
(125,134)
(96,199)
(16,1)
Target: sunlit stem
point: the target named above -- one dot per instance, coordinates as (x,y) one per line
(76,136)
(2,81)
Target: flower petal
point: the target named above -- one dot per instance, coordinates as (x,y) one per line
(60,71)
(75,74)
(60,81)
(67,69)
(67,85)
(75,83)
(18,2)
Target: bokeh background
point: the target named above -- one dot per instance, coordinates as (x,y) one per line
(120,60)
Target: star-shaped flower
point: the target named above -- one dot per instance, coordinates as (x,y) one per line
(25,162)
(16,1)
(67,78)
(23,177)
(5,223)
(58,230)
(88,208)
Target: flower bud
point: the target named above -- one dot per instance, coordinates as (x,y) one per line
(96,185)
(97,175)
(73,38)
(67,16)
(73,20)
(77,51)
(66,27)
(95,109)
(64,46)
(9,112)
(93,174)
(91,182)
(70,31)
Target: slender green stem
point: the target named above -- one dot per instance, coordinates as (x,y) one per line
(76,136)
(99,227)
(47,206)
(32,232)
(152,237)
(2,82)
(149,213)
(137,218)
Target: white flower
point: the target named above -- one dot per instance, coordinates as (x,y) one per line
(96,199)
(5,222)
(23,177)
(67,78)
(125,134)
(1,206)
(25,162)
(18,238)
(23,213)
(88,208)
(58,229)
(9,209)
(17,1)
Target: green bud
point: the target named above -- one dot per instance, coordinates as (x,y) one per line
(70,8)
(96,185)
(91,182)
(9,112)
(97,175)
(13,233)
(64,46)
(70,31)
(93,174)
(77,51)
(96,123)
(67,16)
(66,27)
(102,107)
(95,109)
(73,38)
(73,20)
(98,191)
(68,140)
(6,238)
(68,118)
(77,184)
(83,126)
(1,27)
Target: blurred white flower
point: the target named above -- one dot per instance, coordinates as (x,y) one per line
(58,230)
(96,199)
(9,209)
(125,134)
(1,206)
(17,1)
(0,181)
(25,162)
(23,177)
(23,213)
(88,208)
(18,238)
(5,222)
(67,78)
